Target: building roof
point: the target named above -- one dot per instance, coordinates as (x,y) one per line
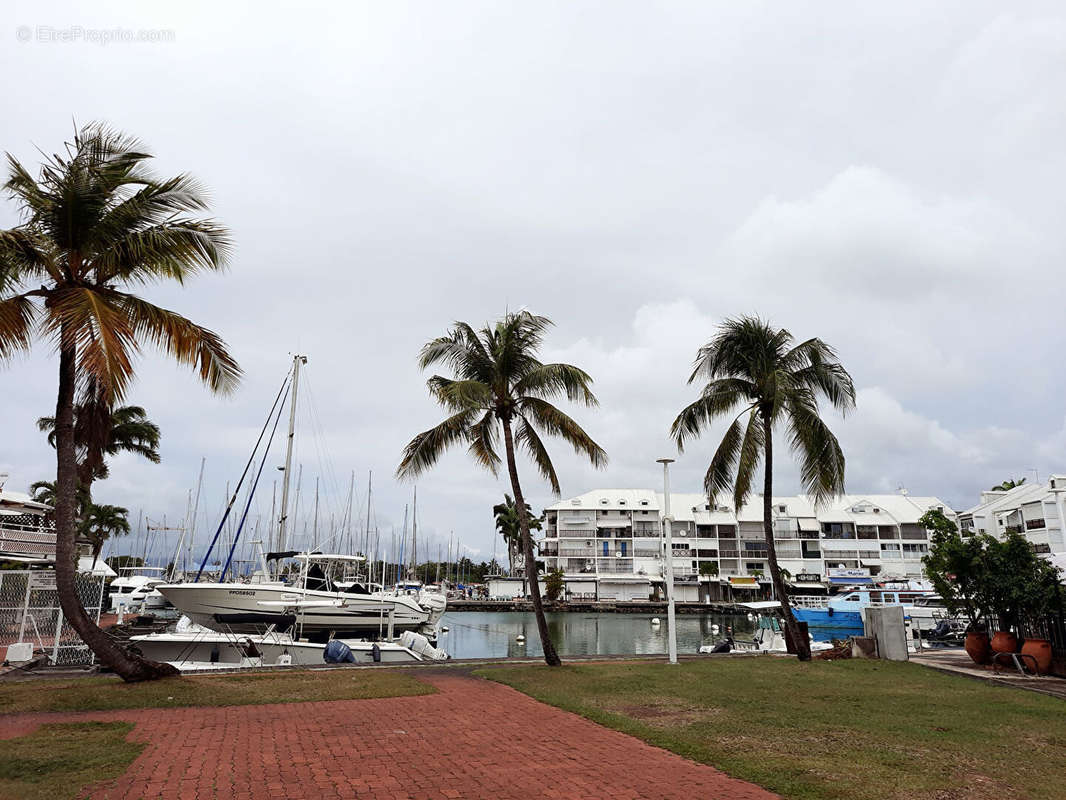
(689,507)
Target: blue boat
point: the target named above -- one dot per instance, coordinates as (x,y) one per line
(846,610)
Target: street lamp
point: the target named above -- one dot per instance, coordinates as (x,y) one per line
(670,619)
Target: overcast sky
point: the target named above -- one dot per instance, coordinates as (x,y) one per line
(885,176)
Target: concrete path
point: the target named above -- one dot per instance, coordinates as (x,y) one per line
(470,740)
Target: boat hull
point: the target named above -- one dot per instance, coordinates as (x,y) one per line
(250,608)
(828,618)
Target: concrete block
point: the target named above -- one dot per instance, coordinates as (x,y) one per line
(885,624)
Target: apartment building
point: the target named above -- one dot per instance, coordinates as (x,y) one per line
(1036,510)
(609,543)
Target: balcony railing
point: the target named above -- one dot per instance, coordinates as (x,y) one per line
(641,552)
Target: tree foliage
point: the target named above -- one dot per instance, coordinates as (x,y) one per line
(981,577)
(554,585)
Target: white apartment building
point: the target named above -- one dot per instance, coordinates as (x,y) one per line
(609,543)
(1036,510)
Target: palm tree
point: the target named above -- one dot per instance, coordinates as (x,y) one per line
(507,523)
(1007,485)
(754,366)
(100,431)
(501,386)
(101,522)
(96,223)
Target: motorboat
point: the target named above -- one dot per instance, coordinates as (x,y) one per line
(310,602)
(132,592)
(191,647)
(846,610)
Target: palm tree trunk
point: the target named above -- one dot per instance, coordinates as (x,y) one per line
(530,572)
(129,668)
(802,643)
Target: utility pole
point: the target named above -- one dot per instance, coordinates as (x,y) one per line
(283,521)
(667,521)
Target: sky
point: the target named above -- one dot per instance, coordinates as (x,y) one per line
(887,177)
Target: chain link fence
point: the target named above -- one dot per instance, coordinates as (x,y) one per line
(30,612)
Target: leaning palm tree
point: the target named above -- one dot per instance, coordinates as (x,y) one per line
(101,522)
(753,366)
(100,431)
(95,224)
(500,386)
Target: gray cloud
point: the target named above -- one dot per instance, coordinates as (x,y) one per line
(888,178)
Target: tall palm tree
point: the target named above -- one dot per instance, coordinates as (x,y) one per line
(507,523)
(95,224)
(775,382)
(100,431)
(101,522)
(500,386)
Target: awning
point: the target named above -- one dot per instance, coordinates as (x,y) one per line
(849,581)
(808,524)
(802,585)
(752,586)
(624,579)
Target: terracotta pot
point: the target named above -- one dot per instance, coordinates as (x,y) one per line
(1004,642)
(978,647)
(1040,649)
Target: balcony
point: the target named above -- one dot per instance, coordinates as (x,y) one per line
(615,566)
(642,552)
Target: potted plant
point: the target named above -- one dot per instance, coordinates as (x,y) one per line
(955,566)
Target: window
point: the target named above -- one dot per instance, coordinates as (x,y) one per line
(606,548)
(889,547)
(1042,548)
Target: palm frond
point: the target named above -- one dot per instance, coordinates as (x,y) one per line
(526,436)
(483,438)
(719,475)
(550,380)
(18,318)
(820,455)
(423,451)
(184,341)
(751,450)
(458,395)
(719,397)
(542,414)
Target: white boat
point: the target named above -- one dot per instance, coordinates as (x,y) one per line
(311,604)
(191,647)
(847,609)
(132,593)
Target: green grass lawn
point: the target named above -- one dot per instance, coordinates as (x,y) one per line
(846,730)
(100,694)
(57,762)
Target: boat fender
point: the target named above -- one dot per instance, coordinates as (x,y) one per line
(829,611)
(375,652)
(214,654)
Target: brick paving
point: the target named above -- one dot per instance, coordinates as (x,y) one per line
(470,740)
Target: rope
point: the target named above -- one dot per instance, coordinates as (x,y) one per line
(251,493)
(233,499)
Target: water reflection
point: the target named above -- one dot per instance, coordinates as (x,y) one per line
(493,634)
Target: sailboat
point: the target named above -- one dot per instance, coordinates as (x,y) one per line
(311,597)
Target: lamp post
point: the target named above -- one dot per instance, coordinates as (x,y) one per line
(671,633)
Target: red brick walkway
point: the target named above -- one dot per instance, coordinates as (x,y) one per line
(470,740)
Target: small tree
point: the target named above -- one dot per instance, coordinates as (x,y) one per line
(554,585)
(955,566)
(1019,584)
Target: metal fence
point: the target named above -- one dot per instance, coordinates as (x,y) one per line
(30,612)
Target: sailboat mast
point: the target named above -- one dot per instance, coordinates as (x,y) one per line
(369,496)
(414,536)
(283,521)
